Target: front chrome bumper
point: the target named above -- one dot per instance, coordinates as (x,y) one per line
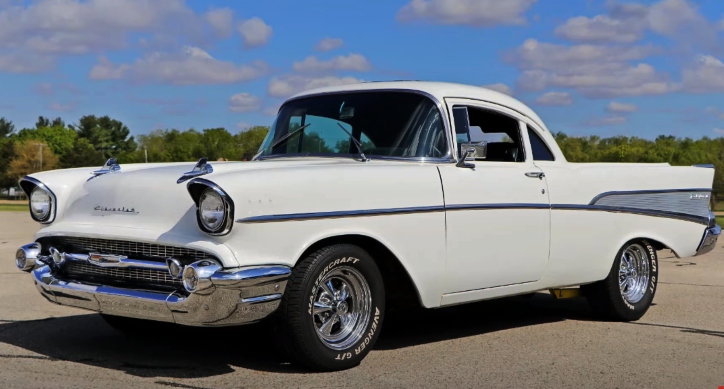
(708,242)
(233,297)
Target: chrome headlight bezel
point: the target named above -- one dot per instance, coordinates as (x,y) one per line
(197,187)
(29,185)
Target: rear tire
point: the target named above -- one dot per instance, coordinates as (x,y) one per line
(332,310)
(628,291)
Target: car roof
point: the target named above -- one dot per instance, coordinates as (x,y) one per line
(439,90)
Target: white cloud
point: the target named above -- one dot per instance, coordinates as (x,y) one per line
(254,32)
(600,28)
(192,66)
(628,22)
(592,70)
(706,75)
(329,44)
(616,107)
(18,62)
(221,20)
(351,62)
(62,107)
(243,126)
(613,120)
(244,102)
(45,89)
(80,27)
(285,86)
(500,87)
(558,99)
(719,130)
(479,13)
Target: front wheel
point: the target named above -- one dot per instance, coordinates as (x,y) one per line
(332,309)
(628,291)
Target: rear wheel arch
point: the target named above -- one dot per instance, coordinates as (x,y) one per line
(400,288)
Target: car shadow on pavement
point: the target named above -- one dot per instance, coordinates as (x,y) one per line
(184,352)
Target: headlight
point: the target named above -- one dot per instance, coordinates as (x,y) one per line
(40,204)
(214,207)
(212,210)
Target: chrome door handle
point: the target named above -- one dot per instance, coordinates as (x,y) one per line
(535,175)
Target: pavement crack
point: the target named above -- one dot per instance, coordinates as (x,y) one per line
(9,356)
(177,385)
(689,330)
(686,284)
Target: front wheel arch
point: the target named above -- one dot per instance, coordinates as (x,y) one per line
(401,291)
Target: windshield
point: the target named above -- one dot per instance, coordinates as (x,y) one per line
(387,124)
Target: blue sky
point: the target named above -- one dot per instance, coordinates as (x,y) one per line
(587,67)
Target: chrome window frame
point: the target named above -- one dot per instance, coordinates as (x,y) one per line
(228,222)
(518,120)
(450,157)
(53,199)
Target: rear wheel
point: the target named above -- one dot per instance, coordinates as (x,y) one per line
(628,291)
(332,309)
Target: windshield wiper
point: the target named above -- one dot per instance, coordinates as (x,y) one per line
(283,139)
(356,143)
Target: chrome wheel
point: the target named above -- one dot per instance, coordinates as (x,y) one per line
(633,274)
(342,307)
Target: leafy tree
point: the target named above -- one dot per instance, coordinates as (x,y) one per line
(219,143)
(81,155)
(6,155)
(27,159)
(59,138)
(45,122)
(6,128)
(108,136)
(250,140)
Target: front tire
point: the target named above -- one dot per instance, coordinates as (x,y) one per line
(628,291)
(332,309)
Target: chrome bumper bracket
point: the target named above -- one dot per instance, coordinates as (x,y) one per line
(708,241)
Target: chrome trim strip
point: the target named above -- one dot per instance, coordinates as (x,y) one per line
(451,156)
(53,199)
(704,165)
(262,299)
(340,214)
(229,214)
(640,192)
(636,211)
(468,207)
(118,262)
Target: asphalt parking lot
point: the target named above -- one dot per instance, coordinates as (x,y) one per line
(508,343)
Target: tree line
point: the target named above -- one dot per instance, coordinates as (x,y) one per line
(53,144)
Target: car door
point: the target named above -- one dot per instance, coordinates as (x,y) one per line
(497,213)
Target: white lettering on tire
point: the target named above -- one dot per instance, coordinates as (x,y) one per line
(369,336)
(322,274)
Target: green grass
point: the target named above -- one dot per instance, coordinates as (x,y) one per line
(14,207)
(720,220)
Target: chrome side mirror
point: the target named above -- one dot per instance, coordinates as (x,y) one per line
(472,151)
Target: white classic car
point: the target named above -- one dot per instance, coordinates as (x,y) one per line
(363,196)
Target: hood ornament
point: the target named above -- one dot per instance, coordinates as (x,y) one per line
(111,166)
(200,169)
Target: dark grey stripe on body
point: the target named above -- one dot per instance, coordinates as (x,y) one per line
(645,206)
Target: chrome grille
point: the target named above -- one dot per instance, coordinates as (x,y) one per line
(140,276)
(135,250)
